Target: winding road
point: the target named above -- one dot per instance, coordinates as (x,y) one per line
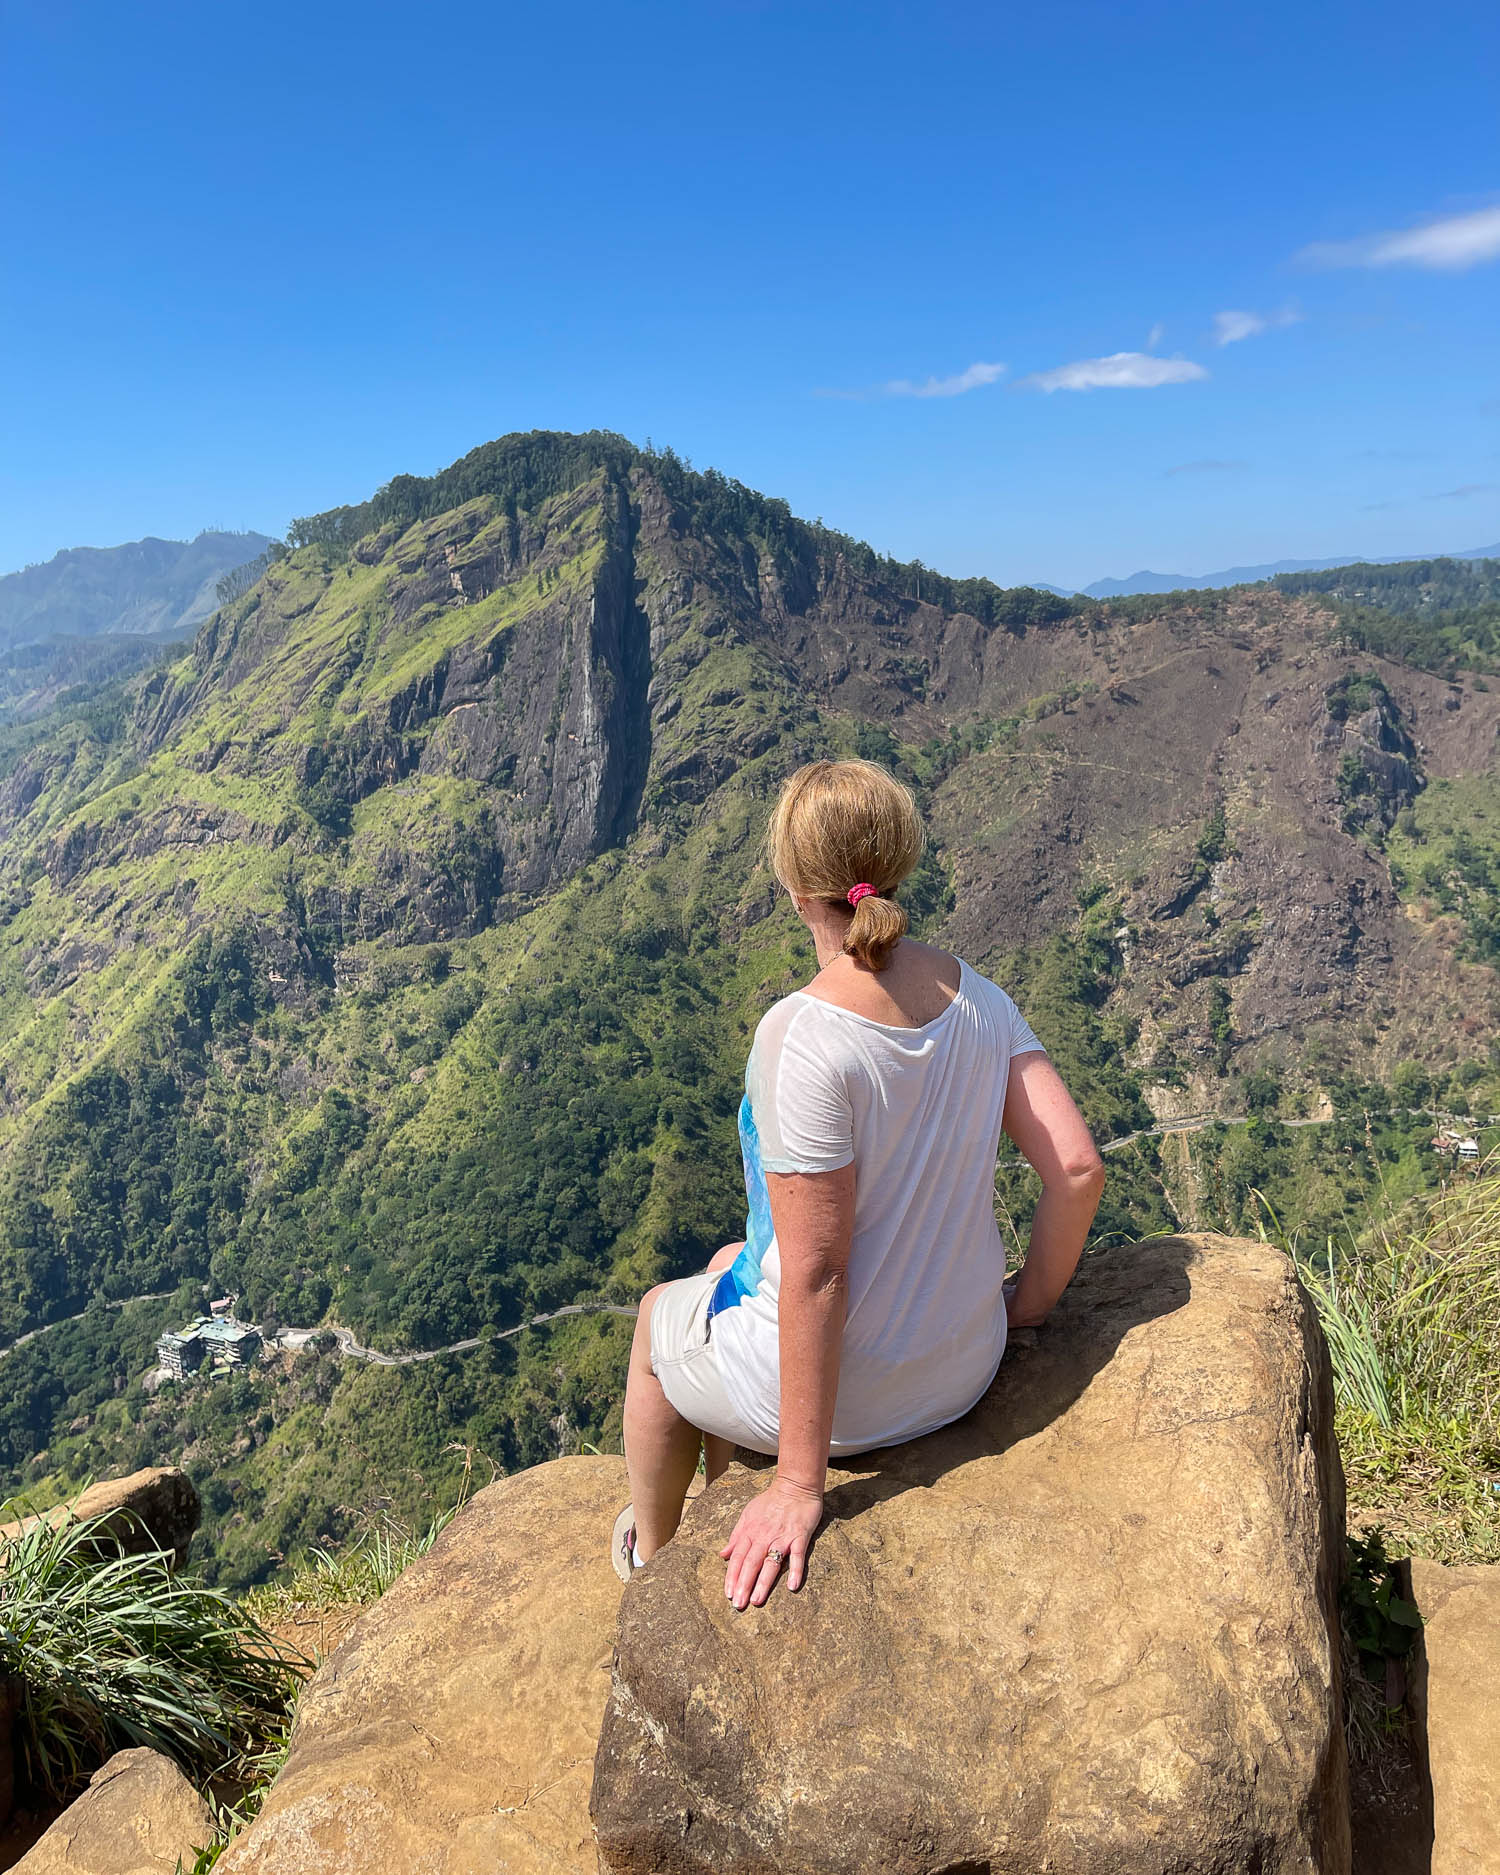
(347,1345)
(299,1337)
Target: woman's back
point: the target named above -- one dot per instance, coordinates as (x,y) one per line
(915,1102)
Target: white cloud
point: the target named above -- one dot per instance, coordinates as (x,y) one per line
(1121,371)
(1464,492)
(1158,333)
(974,378)
(1452,244)
(1231,327)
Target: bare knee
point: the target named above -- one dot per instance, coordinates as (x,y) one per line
(721,1259)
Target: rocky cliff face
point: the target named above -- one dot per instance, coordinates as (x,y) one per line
(447,722)
(1091,1627)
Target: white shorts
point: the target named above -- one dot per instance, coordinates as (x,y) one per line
(686,1361)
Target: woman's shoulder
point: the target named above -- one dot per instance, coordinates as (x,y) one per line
(975,983)
(782,1017)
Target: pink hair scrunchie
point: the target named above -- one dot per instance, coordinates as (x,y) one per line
(857,892)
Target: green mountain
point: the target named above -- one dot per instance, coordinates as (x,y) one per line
(390,957)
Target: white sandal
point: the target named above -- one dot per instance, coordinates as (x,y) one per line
(622,1545)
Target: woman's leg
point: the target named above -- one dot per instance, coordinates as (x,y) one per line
(661,1448)
(717,1453)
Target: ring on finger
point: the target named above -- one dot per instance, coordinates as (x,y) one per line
(775,1555)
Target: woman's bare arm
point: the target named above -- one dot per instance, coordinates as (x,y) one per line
(813,1213)
(1049,1131)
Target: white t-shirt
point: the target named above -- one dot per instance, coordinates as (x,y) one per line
(918,1112)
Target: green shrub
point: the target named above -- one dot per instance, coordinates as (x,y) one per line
(112,1650)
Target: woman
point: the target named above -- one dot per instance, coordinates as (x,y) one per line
(868,1302)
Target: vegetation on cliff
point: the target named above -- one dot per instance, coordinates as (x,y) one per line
(1410,1308)
(1442,614)
(391,955)
(107,1649)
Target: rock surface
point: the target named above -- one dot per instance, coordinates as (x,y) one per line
(139,1816)
(453,1732)
(1091,1628)
(1455,1696)
(156,1508)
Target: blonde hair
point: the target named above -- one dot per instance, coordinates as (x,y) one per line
(837,825)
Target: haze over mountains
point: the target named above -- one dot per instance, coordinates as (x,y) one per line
(1146,581)
(390,955)
(144,588)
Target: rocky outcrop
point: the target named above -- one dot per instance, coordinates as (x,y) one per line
(453,1732)
(1455,1697)
(153,1509)
(1092,1627)
(1089,1628)
(139,1816)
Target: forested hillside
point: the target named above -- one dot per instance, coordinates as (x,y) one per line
(391,956)
(1441,614)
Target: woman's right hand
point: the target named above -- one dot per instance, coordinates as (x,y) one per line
(1017,1317)
(775,1528)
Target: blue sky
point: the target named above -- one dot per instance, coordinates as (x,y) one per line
(259,261)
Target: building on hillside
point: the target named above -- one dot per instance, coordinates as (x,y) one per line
(229,1343)
(181,1355)
(1468,1149)
(213,1340)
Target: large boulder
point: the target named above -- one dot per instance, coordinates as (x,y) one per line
(139,1816)
(1092,1628)
(1455,1697)
(153,1509)
(453,1732)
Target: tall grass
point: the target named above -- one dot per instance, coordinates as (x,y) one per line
(110,1650)
(1411,1310)
(360,1573)
(356,1575)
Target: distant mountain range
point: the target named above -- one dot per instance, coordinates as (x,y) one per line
(1146,581)
(145,588)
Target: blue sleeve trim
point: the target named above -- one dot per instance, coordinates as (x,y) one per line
(742,1278)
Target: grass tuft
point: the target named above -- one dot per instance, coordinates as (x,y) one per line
(111,1650)
(352,1577)
(1411,1310)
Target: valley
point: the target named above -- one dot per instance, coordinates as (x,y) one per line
(390,954)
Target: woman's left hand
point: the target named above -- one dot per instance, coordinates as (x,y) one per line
(782,1518)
